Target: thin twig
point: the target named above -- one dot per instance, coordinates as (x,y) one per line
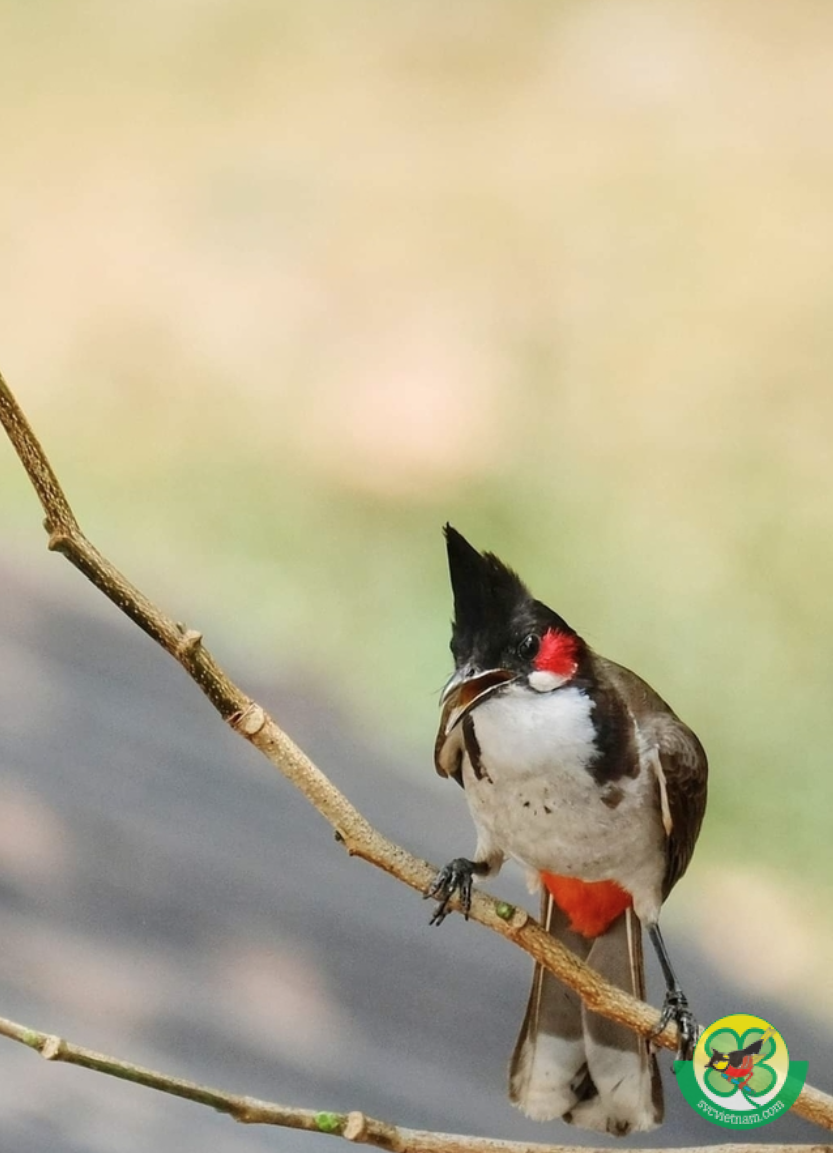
(354,1126)
(250,720)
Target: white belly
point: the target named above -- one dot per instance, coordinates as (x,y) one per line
(536,799)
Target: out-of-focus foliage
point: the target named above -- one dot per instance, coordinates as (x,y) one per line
(285,286)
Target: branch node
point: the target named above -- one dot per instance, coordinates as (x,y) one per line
(351,846)
(356,1127)
(519,919)
(192,639)
(53,1048)
(249,721)
(245,1112)
(59,540)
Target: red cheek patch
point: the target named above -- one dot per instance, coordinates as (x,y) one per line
(557,654)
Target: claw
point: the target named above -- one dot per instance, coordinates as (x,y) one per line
(676,1009)
(454,878)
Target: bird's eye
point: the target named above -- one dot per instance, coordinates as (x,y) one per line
(529,647)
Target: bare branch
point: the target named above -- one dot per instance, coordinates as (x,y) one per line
(250,720)
(353,1126)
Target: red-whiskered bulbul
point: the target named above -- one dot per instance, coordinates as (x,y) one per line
(575,768)
(739,1066)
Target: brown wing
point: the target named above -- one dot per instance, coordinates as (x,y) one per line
(684,766)
(682,760)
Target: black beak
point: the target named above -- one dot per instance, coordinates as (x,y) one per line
(467,688)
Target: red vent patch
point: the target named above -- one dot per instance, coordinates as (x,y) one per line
(591,906)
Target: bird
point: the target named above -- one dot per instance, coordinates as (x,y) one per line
(573,767)
(738,1066)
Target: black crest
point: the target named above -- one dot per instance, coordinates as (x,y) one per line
(484,588)
(493,607)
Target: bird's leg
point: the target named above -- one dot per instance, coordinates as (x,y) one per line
(456,877)
(675,1006)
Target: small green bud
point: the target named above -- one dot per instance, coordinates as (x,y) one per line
(329,1123)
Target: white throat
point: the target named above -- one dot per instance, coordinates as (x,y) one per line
(523,733)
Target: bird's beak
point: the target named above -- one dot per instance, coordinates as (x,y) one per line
(467,688)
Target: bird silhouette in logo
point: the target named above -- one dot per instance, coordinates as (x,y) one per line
(738,1066)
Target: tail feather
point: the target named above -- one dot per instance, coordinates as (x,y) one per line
(548,1065)
(577,1065)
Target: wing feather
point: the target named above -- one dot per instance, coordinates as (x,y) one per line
(683,770)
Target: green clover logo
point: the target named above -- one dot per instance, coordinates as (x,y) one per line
(724,1083)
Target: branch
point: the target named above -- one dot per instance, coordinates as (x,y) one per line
(354,1126)
(251,721)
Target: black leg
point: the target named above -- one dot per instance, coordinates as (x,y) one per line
(455,878)
(675,1006)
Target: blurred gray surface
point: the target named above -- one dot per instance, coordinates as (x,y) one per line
(166,897)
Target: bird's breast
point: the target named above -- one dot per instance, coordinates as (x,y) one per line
(528,769)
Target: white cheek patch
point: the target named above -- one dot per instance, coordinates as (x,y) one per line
(543,681)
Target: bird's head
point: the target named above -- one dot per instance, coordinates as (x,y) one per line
(500,633)
(718,1061)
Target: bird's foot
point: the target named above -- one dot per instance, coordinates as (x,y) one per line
(676,1009)
(454,878)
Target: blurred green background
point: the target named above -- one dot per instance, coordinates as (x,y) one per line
(285,286)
